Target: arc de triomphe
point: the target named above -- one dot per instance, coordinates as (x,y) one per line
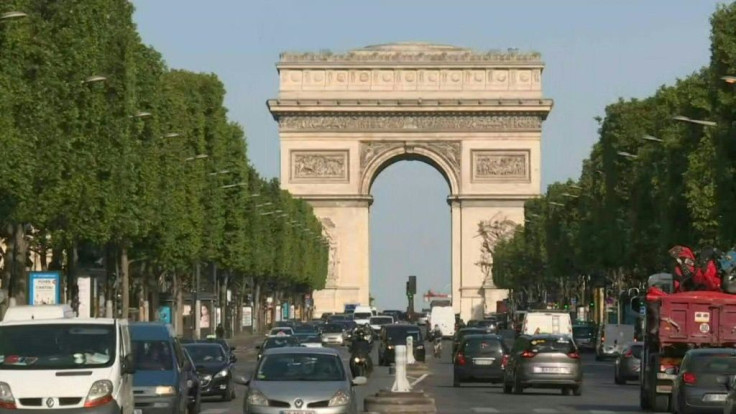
(475,117)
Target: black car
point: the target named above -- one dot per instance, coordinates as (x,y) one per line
(392,335)
(277,342)
(215,369)
(303,332)
(461,333)
(195,392)
(479,359)
(229,350)
(584,337)
(697,388)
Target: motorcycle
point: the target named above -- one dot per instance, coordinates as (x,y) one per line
(438,348)
(361,365)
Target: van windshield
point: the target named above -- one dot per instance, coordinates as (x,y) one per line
(362,315)
(153,356)
(57,346)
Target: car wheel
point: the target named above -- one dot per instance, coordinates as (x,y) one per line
(506,388)
(577,390)
(228,395)
(518,389)
(617,377)
(565,391)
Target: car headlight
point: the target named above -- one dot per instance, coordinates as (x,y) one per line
(167,390)
(356,359)
(222,374)
(256,397)
(340,398)
(420,346)
(390,347)
(6,397)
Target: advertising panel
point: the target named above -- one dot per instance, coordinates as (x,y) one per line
(44,288)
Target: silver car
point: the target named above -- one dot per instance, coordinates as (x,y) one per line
(628,364)
(543,361)
(301,380)
(333,334)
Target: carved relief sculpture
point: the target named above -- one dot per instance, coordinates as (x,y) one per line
(435,122)
(328,228)
(501,165)
(319,165)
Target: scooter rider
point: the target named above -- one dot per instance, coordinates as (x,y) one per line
(360,355)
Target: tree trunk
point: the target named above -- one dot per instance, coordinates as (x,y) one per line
(124,282)
(177,308)
(17,252)
(72,290)
(257,307)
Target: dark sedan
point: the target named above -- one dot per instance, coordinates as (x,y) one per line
(479,359)
(214,368)
(628,364)
(277,342)
(584,336)
(697,387)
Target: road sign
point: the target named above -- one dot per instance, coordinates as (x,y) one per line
(573,301)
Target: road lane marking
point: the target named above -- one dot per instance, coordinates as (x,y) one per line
(484,410)
(214,411)
(602,412)
(545,410)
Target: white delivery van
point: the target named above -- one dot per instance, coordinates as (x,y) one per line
(547,322)
(51,360)
(444,317)
(362,315)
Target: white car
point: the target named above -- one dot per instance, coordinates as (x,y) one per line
(280,331)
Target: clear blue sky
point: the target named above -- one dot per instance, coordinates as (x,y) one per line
(595,51)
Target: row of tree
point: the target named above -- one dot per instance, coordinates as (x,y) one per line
(108,156)
(662,173)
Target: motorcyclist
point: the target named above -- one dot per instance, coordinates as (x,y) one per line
(360,352)
(436,332)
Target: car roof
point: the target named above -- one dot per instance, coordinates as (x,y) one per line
(201,344)
(302,351)
(482,336)
(547,336)
(150,331)
(712,351)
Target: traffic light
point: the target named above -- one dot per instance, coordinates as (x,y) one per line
(411,287)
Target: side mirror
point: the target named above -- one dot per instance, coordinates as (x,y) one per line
(190,384)
(232,348)
(258,347)
(241,380)
(128,366)
(360,381)
(186,366)
(233,358)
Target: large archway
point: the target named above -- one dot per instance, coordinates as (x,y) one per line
(476,117)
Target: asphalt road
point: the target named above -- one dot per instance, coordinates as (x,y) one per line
(600,394)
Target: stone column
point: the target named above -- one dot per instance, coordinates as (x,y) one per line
(456,241)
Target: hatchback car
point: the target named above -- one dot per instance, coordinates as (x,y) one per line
(544,361)
(479,359)
(301,380)
(333,334)
(584,336)
(214,367)
(461,333)
(697,388)
(393,335)
(628,364)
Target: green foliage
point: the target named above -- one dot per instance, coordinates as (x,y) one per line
(81,163)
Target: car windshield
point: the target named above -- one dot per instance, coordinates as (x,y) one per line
(56,346)
(332,328)
(551,345)
(362,315)
(304,330)
(206,353)
(381,320)
(464,332)
(153,356)
(300,367)
(398,336)
(715,364)
(280,342)
(282,330)
(482,346)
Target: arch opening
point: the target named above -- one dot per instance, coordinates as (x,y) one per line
(410,231)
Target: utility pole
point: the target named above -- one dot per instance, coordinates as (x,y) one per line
(411,290)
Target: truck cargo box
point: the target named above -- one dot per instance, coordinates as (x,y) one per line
(699,318)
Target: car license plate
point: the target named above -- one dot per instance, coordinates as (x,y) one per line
(298,412)
(137,411)
(550,370)
(714,397)
(483,361)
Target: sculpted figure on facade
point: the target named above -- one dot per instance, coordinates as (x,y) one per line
(319,165)
(436,122)
(328,229)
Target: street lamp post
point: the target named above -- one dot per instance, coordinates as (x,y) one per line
(729,79)
(12,15)
(682,118)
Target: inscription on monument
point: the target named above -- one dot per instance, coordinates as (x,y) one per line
(501,165)
(322,165)
(411,122)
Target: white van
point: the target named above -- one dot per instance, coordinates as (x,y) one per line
(50,359)
(362,315)
(444,317)
(547,322)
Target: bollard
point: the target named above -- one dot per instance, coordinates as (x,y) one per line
(410,350)
(401,384)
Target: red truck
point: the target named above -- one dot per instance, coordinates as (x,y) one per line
(676,323)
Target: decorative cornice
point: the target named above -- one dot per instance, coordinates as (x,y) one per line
(413,53)
(411,122)
(284,105)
